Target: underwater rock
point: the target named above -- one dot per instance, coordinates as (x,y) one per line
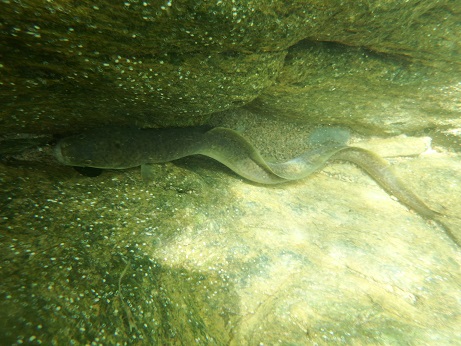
(168,63)
(377,94)
(200,255)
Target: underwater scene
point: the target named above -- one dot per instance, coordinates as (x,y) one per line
(230,172)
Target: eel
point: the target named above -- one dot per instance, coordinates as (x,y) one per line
(127,147)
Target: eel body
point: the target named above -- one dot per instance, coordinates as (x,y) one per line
(121,147)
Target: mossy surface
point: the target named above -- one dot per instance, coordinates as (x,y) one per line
(377,94)
(173,63)
(77,262)
(199,255)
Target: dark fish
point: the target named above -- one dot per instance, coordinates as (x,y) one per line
(119,148)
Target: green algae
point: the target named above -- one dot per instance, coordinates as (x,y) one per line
(194,255)
(63,262)
(159,64)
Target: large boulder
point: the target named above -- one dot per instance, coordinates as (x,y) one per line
(200,256)
(168,63)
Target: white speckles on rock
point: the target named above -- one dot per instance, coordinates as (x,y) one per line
(200,245)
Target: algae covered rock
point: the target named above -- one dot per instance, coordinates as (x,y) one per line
(200,256)
(173,63)
(327,83)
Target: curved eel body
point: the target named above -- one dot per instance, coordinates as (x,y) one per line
(119,148)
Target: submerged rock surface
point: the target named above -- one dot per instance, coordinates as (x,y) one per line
(326,83)
(173,63)
(199,256)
